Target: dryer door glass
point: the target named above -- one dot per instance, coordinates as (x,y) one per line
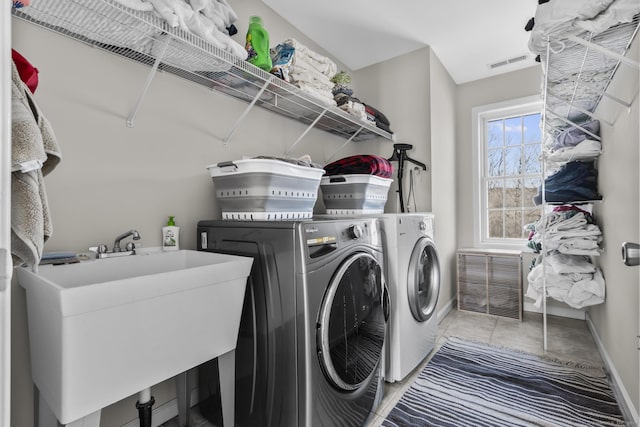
(423,280)
(351,328)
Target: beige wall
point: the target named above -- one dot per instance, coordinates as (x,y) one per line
(402,86)
(443,175)
(616,321)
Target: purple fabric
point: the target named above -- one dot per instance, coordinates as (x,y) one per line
(574,136)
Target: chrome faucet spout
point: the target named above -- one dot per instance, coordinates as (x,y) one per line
(134,235)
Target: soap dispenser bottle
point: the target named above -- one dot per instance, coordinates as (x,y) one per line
(170,235)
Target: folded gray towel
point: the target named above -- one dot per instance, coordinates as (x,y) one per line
(35,153)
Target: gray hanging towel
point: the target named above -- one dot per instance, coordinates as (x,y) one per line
(34,153)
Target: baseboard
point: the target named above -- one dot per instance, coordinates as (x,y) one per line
(624,400)
(554,310)
(442,313)
(163,413)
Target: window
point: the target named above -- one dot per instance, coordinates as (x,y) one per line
(509,171)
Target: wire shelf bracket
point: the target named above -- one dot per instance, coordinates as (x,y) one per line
(317,119)
(152,73)
(344,145)
(246,111)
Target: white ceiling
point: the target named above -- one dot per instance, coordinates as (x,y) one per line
(466,35)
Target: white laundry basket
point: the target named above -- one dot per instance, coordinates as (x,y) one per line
(265,189)
(354,194)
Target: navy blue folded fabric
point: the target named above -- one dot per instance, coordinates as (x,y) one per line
(575,181)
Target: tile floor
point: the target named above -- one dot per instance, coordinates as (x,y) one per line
(567,339)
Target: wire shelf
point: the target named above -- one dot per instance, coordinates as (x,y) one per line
(144,37)
(579,70)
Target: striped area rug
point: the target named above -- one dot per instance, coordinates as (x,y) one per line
(472,384)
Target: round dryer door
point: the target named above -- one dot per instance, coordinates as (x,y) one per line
(351,328)
(423,279)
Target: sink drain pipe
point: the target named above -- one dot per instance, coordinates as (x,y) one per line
(144,404)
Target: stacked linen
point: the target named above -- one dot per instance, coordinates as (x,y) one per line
(577,16)
(572,279)
(574,143)
(574,181)
(568,230)
(212,20)
(343,95)
(306,69)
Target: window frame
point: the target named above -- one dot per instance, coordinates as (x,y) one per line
(480,116)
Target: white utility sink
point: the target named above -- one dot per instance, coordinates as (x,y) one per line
(103,330)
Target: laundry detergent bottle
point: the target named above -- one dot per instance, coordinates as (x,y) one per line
(258,44)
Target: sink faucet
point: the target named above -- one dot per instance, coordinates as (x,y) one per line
(134,235)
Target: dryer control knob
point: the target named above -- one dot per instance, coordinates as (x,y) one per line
(356,231)
(423,226)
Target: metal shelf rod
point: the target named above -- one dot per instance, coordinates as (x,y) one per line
(132,117)
(246,111)
(345,144)
(593,88)
(594,46)
(305,132)
(582,110)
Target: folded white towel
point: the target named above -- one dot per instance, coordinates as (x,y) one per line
(177,13)
(586,150)
(321,63)
(218,11)
(32,140)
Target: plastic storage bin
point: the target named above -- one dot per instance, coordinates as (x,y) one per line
(265,189)
(354,194)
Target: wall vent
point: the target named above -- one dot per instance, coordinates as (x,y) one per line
(490,282)
(508,61)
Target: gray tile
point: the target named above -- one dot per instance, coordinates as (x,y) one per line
(524,336)
(472,326)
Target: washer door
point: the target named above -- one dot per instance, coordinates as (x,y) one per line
(351,328)
(423,281)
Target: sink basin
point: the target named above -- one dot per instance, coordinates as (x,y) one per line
(103,330)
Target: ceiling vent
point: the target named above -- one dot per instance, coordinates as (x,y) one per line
(508,61)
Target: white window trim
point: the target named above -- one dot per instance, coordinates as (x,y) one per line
(524,105)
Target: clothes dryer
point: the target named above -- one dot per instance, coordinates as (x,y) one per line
(311,345)
(413,277)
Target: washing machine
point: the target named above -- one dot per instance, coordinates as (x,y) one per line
(413,277)
(311,345)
